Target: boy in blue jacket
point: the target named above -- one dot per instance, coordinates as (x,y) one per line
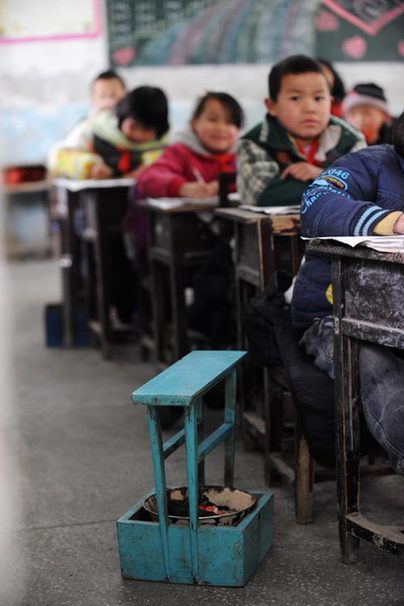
(360,194)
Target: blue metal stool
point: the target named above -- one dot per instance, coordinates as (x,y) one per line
(194,553)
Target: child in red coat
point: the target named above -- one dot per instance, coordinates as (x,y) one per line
(190,167)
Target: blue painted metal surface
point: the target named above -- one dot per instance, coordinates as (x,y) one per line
(194,553)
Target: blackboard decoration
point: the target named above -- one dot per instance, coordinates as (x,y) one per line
(348,30)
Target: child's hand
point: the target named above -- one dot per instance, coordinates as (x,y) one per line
(399,225)
(198,189)
(302,171)
(135,172)
(100,171)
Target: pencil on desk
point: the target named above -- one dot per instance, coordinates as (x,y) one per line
(198,176)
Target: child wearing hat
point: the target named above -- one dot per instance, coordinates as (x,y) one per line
(366,108)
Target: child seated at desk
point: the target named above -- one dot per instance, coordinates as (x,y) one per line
(117,141)
(366,108)
(361,194)
(190,167)
(106,90)
(297,139)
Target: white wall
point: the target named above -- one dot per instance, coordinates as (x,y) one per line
(249,82)
(49,73)
(44,91)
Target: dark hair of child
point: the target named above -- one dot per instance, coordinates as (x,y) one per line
(148,106)
(234,111)
(338,88)
(295,64)
(398,135)
(109,74)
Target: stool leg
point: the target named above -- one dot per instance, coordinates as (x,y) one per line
(230,417)
(304,478)
(158,312)
(267,421)
(178,310)
(191,417)
(201,435)
(273,415)
(160,480)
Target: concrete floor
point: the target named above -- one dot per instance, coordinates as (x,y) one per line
(76,457)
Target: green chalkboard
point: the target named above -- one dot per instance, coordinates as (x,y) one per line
(348,30)
(178,32)
(135,25)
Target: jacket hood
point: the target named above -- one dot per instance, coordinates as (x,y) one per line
(188,138)
(105,126)
(275,136)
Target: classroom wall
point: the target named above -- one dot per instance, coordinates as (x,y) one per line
(45,89)
(249,83)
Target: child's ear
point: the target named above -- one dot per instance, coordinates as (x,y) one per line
(271,106)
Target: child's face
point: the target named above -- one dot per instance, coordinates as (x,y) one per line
(368,119)
(137,133)
(303,105)
(105,94)
(213,128)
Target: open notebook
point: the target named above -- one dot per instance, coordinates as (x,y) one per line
(393,244)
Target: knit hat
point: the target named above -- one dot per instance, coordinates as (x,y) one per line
(365,94)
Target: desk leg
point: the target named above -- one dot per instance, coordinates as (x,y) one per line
(178,309)
(70,265)
(158,308)
(241,375)
(68,300)
(304,477)
(347,445)
(347,424)
(102,280)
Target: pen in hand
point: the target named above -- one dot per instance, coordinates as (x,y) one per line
(197,175)
(199,188)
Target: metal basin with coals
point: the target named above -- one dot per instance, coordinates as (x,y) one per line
(217,505)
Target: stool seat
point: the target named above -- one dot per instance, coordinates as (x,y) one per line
(187,379)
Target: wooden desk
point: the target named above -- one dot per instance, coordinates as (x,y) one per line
(24,202)
(366,308)
(102,205)
(260,243)
(178,241)
(263,243)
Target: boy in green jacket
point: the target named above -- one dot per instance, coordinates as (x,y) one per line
(298,138)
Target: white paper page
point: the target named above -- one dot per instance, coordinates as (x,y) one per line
(167,203)
(272,210)
(79,184)
(379,243)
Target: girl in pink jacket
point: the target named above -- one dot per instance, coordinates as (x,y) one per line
(191,166)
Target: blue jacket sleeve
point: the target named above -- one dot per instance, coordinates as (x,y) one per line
(340,201)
